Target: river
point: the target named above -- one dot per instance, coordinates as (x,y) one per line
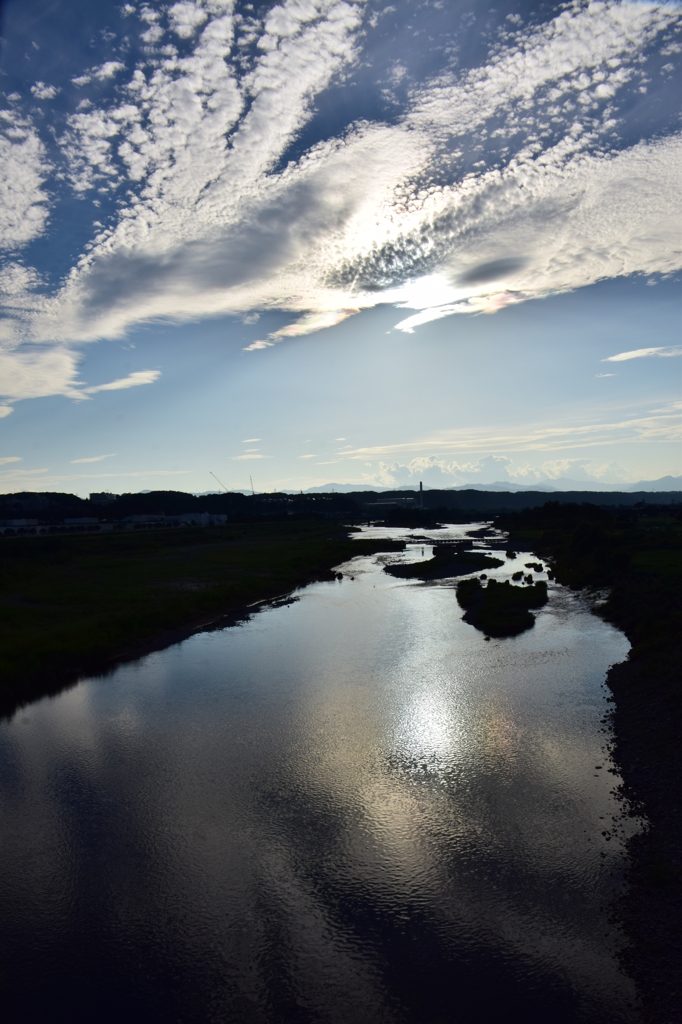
(350,809)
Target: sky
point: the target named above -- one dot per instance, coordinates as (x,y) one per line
(330,242)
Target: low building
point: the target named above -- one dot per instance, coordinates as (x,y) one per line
(198,519)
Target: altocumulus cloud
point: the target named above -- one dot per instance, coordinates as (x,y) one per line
(213,218)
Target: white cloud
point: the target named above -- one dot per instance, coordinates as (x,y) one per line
(15,279)
(10,458)
(641,353)
(133,380)
(23,168)
(570,224)
(434,313)
(435,472)
(14,479)
(19,297)
(88,149)
(153,34)
(5,410)
(579,469)
(108,69)
(563,54)
(148,14)
(28,479)
(211,221)
(656,424)
(307,324)
(44,92)
(186,18)
(94,458)
(38,372)
(206,201)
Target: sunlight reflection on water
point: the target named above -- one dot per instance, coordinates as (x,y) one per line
(349,809)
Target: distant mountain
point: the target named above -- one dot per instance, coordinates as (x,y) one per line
(509,486)
(562,483)
(665,483)
(347,489)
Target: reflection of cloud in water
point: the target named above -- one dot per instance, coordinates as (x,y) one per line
(361,756)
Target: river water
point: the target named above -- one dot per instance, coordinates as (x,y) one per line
(351,809)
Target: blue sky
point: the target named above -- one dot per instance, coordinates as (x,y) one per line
(338,242)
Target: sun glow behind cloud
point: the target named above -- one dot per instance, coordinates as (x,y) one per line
(211,218)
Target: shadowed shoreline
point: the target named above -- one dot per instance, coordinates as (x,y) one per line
(81,605)
(634,558)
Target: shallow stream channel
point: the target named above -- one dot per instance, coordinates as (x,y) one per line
(350,809)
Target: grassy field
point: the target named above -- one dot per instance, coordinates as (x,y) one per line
(70,604)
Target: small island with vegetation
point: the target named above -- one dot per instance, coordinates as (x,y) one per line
(449,560)
(500,609)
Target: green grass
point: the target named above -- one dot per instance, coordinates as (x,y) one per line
(74,603)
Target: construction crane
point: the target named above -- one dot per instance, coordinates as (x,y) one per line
(219,481)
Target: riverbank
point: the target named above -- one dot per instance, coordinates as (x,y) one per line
(74,605)
(635,558)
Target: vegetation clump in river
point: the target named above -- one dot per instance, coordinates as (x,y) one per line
(500,609)
(448,561)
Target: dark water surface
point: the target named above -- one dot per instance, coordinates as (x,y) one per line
(351,809)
